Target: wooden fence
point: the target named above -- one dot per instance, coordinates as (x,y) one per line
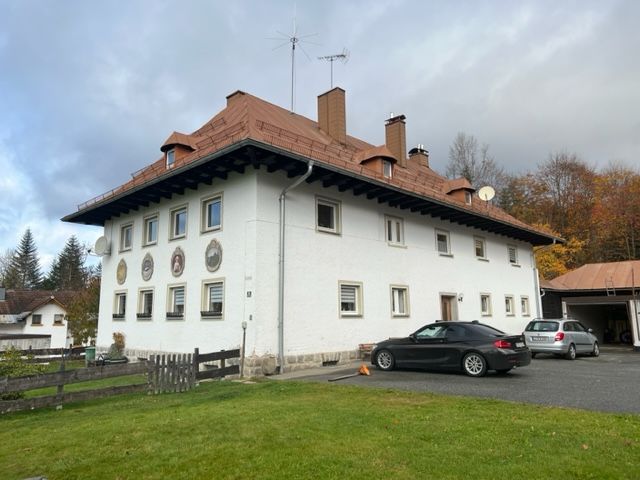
(165,373)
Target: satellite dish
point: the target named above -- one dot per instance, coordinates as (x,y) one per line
(486,193)
(102,246)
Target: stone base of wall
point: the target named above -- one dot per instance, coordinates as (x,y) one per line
(265,365)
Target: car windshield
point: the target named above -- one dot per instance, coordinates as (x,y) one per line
(541,326)
(486,330)
(431,331)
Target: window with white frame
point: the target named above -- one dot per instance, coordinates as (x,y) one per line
(171,158)
(126,237)
(524,305)
(350,299)
(176,301)
(120,305)
(480,247)
(327,215)
(399,301)
(509,305)
(213,299)
(485,304)
(512,251)
(178,223)
(394,227)
(36,319)
(145,304)
(443,244)
(58,319)
(151,230)
(211,214)
(387,168)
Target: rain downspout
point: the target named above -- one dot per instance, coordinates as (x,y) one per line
(536,281)
(281,264)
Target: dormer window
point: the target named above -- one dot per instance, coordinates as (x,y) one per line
(467,197)
(171,157)
(387,168)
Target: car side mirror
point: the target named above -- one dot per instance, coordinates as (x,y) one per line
(413,337)
(590,330)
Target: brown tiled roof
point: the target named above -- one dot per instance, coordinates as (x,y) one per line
(456,184)
(248,117)
(21,301)
(369,153)
(177,138)
(600,276)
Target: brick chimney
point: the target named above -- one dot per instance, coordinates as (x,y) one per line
(396,139)
(332,117)
(420,155)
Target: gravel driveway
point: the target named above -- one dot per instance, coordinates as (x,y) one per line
(609,383)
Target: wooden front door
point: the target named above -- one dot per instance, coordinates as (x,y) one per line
(448,307)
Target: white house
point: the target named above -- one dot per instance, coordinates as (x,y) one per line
(317,240)
(34,319)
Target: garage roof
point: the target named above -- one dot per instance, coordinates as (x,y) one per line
(599,276)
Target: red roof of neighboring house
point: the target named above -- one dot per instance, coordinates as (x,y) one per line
(248,117)
(600,276)
(21,301)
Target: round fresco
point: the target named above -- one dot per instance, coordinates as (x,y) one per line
(177,262)
(121,271)
(147,267)
(213,255)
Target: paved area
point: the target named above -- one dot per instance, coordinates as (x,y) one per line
(609,383)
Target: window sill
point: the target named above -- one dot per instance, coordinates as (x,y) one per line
(125,250)
(117,316)
(37,325)
(175,316)
(144,316)
(396,245)
(145,245)
(350,315)
(58,324)
(511,314)
(204,231)
(327,230)
(482,259)
(516,265)
(400,315)
(486,314)
(448,255)
(181,237)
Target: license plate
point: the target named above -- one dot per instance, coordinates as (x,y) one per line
(539,339)
(519,344)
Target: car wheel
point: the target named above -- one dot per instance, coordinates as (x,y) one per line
(474,364)
(571,353)
(596,350)
(503,371)
(533,354)
(385,360)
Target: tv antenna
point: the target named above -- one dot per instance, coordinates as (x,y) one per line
(294,40)
(343,57)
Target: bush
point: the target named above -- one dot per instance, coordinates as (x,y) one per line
(13,365)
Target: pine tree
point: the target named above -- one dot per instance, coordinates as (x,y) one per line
(24,269)
(67,270)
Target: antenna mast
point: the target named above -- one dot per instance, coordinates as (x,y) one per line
(343,57)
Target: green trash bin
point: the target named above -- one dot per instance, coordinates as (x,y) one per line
(89,355)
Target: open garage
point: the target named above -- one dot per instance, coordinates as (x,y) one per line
(610,321)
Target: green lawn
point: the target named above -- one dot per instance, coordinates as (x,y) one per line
(294,430)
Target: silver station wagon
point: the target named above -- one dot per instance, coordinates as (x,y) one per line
(562,337)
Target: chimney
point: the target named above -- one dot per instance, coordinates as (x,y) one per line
(420,155)
(396,139)
(332,117)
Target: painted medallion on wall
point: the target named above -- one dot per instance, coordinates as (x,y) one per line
(177,262)
(147,267)
(121,271)
(213,255)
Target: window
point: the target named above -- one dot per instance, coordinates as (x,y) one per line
(213,300)
(387,168)
(176,302)
(126,237)
(327,215)
(120,305)
(513,254)
(480,248)
(151,230)
(467,197)
(58,319)
(145,304)
(211,214)
(442,242)
(350,299)
(394,230)
(509,307)
(485,304)
(36,319)
(171,158)
(178,223)
(524,306)
(400,301)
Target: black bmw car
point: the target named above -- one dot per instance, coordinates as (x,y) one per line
(471,347)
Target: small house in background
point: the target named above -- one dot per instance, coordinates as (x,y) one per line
(34,319)
(312,240)
(602,296)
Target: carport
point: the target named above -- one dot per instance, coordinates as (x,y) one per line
(602,296)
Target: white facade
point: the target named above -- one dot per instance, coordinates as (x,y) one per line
(315,264)
(48,319)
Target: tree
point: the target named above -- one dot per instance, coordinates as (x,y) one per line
(24,269)
(82,312)
(5,263)
(468,160)
(67,270)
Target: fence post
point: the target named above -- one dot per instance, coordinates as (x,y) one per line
(222,361)
(196,366)
(150,363)
(60,389)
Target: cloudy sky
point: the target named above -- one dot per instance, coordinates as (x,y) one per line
(90,90)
